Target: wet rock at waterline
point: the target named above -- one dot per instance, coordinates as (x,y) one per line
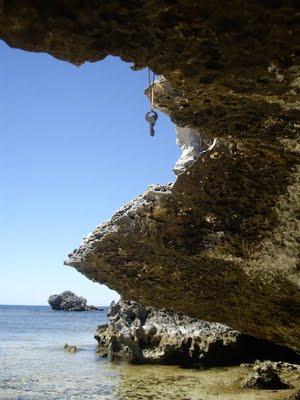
(145,335)
(69,301)
(70,348)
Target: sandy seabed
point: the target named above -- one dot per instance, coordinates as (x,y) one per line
(140,382)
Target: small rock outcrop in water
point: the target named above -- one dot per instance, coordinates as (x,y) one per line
(146,335)
(69,301)
(266,375)
(70,348)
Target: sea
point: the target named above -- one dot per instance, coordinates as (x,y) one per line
(34,365)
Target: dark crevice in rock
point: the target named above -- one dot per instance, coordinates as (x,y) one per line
(252,349)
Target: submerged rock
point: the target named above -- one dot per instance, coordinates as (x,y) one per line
(266,375)
(70,348)
(69,301)
(146,335)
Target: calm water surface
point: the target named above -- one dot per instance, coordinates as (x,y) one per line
(34,366)
(33,361)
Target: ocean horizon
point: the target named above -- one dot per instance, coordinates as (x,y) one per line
(39,305)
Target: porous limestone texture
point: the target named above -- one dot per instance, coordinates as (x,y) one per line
(145,335)
(69,301)
(192,147)
(222,242)
(266,375)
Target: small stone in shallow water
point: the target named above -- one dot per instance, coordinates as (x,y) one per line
(70,348)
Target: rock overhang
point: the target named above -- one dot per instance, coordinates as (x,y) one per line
(223,245)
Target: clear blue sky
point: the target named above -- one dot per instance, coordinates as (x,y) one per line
(74,147)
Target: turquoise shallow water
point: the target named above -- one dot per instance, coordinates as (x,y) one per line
(33,364)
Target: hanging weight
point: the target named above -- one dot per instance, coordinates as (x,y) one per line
(151,118)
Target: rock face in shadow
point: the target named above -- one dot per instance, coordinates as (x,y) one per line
(69,301)
(222,243)
(145,335)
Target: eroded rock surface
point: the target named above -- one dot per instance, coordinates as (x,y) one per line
(222,243)
(266,376)
(145,335)
(69,301)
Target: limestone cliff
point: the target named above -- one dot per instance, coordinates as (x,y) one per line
(222,243)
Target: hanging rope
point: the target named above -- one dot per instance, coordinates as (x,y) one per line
(151,116)
(151,80)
